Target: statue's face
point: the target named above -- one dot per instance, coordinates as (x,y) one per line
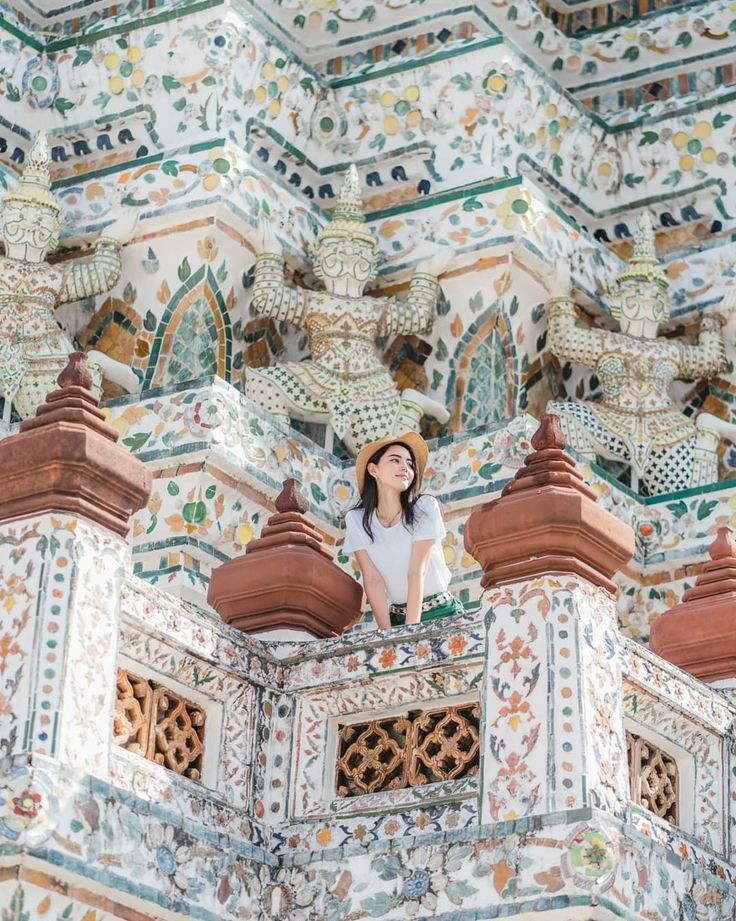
(640,303)
(336,257)
(28,230)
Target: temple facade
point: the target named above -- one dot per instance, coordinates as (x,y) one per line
(240,240)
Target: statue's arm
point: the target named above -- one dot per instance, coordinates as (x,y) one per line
(708,357)
(95,275)
(567,340)
(414,313)
(272,297)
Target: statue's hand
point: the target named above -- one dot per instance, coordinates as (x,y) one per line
(435,259)
(123,228)
(265,239)
(559,281)
(714,322)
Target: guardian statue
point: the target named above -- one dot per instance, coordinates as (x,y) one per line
(34,349)
(345,382)
(636,421)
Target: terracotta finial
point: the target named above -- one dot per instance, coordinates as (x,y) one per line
(548,462)
(549,434)
(723,547)
(65,458)
(76,373)
(287,578)
(547,521)
(291,499)
(699,634)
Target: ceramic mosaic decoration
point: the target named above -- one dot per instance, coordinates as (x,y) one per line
(347,216)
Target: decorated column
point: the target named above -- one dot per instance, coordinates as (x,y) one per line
(553,708)
(68,493)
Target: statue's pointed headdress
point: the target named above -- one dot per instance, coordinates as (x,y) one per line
(34,187)
(643,264)
(348,219)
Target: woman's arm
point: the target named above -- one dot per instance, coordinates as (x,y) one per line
(420,553)
(375,589)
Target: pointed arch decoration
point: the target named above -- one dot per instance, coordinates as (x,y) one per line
(482,384)
(194,336)
(113,330)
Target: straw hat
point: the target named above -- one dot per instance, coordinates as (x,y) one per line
(412,440)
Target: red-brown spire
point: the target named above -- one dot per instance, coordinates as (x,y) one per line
(699,634)
(76,373)
(547,521)
(287,578)
(290,499)
(548,464)
(66,459)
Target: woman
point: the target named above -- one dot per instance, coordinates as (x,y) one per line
(395,533)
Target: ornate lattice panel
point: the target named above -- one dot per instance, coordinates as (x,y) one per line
(159,724)
(425,746)
(653,776)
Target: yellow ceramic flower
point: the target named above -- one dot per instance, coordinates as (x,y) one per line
(517,209)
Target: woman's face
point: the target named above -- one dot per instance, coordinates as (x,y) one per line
(394,470)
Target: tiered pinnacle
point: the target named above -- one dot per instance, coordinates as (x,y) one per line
(34,187)
(348,219)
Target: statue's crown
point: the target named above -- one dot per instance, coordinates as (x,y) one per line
(348,219)
(643,264)
(34,187)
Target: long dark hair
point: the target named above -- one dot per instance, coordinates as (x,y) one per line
(369,496)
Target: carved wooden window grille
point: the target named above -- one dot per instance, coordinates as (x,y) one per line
(159,724)
(425,746)
(653,776)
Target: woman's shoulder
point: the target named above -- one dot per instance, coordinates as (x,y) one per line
(353,516)
(426,503)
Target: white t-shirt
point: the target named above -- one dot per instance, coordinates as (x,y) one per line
(390,550)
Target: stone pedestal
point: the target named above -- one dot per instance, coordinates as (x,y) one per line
(68,493)
(286,580)
(555,736)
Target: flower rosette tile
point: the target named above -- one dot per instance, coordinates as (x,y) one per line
(425,881)
(211,414)
(512,443)
(29,808)
(290,896)
(590,858)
